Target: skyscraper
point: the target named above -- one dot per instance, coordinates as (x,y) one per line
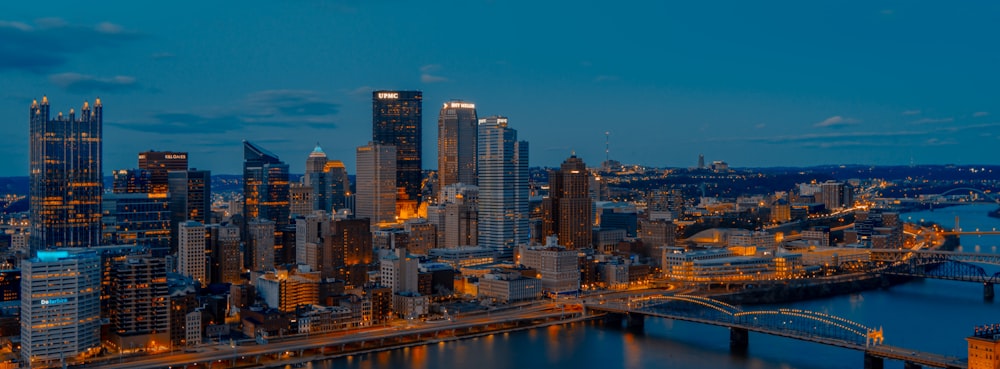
(260,245)
(265,185)
(396,121)
(376,183)
(319,180)
(190,199)
(158,163)
(66,177)
(60,306)
(191,251)
(503,186)
(567,211)
(340,185)
(457,134)
(226,261)
(139,304)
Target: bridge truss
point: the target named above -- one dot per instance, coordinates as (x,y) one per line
(802,324)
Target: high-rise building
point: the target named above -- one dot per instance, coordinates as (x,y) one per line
(503,186)
(131,181)
(458,220)
(265,185)
(326,178)
(376,183)
(226,260)
(65,178)
(158,164)
(397,121)
(301,199)
(60,306)
(191,251)
(340,184)
(836,195)
(139,305)
(136,219)
(190,192)
(260,244)
(310,231)
(457,140)
(566,213)
(348,251)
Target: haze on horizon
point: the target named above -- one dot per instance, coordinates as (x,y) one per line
(791,84)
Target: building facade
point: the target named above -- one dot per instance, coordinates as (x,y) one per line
(65,180)
(567,212)
(191,251)
(158,164)
(376,183)
(140,305)
(60,306)
(397,121)
(503,186)
(265,185)
(458,133)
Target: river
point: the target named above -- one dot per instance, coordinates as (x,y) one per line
(927,315)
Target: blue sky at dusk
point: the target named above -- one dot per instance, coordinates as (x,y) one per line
(793,83)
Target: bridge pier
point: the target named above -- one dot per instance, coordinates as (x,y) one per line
(635,322)
(873,362)
(739,340)
(988,291)
(614,320)
(909,365)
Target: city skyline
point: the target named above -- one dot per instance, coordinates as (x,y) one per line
(795,84)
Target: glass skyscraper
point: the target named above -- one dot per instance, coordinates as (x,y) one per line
(265,185)
(396,121)
(457,134)
(65,179)
(503,187)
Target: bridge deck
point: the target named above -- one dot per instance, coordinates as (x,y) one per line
(881,351)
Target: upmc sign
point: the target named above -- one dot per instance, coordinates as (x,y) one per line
(388,95)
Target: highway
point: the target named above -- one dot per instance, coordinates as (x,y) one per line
(225,352)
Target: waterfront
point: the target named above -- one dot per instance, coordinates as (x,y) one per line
(928,315)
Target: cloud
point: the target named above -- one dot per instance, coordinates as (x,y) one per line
(934,141)
(837,121)
(361,91)
(82,83)
(911,112)
(270,108)
(933,120)
(605,78)
(760,125)
(980,114)
(427,74)
(47,43)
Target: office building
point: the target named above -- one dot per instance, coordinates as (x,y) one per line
(260,245)
(340,184)
(158,164)
(566,213)
(139,305)
(376,183)
(65,181)
(328,181)
(136,219)
(350,251)
(225,260)
(131,181)
(191,251)
(397,121)
(287,290)
(503,186)
(60,307)
(836,195)
(456,216)
(557,267)
(265,185)
(301,199)
(458,131)
(190,193)
(310,232)
(398,271)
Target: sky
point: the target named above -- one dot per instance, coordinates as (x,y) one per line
(792,83)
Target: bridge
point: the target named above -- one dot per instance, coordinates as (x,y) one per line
(797,324)
(972,193)
(947,265)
